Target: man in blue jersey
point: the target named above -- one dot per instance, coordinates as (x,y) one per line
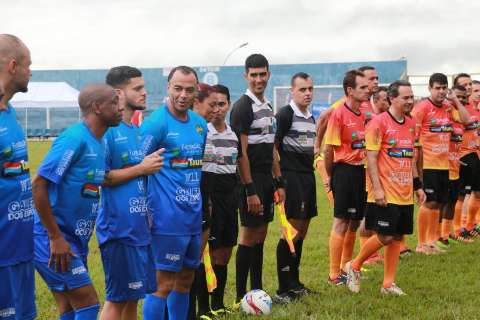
(66,194)
(123,230)
(17,281)
(173,195)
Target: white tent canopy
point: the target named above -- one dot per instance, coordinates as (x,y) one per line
(47,95)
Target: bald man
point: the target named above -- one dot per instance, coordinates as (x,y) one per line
(17,300)
(66,194)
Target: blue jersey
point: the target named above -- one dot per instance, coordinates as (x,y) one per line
(123,213)
(75,168)
(173,194)
(16,205)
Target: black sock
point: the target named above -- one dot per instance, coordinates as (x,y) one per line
(192,304)
(256,267)
(284,262)
(219,292)
(296,262)
(202,291)
(242,263)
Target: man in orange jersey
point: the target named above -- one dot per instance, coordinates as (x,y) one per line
(433,118)
(344,161)
(390,139)
(470,172)
(464,80)
(451,210)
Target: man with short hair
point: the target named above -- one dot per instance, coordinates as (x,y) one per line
(253,120)
(470,172)
(390,139)
(294,140)
(66,194)
(17,298)
(433,117)
(344,164)
(380,100)
(123,230)
(464,80)
(173,195)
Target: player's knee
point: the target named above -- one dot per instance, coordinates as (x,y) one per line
(340,226)
(184,280)
(432,205)
(385,240)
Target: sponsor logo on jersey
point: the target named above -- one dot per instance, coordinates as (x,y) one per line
(84,228)
(138,205)
(124,156)
(91,191)
(79,270)
(172,257)
(20,210)
(135,285)
(7,312)
(199,129)
(400,152)
(358,144)
(13,169)
(441,128)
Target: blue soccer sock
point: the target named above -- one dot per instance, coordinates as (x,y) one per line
(154,308)
(177,304)
(70,315)
(87,313)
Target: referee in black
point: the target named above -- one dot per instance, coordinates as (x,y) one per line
(253,120)
(294,139)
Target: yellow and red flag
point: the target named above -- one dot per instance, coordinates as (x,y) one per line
(288,231)
(210,274)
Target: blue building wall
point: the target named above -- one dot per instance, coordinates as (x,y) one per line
(232,76)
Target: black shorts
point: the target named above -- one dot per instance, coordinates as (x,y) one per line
(263,183)
(470,173)
(301,195)
(224,222)
(453,191)
(348,188)
(206,210)
(390,220)
(435,185)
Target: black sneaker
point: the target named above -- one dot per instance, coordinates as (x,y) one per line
(301,290)
(282,298)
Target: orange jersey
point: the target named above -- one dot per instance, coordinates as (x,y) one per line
(454,153)
(367,109)
(471,139)
(346,133)
(433,129)
(394,142)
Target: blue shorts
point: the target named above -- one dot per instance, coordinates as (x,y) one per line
(172,253)
(129,271)
(17,292)
(75,278)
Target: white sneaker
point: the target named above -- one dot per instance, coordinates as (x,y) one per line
(392,290)
(353,278)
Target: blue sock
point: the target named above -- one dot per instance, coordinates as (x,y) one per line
(177,304)
(154,308)
(70,315)
(87,313)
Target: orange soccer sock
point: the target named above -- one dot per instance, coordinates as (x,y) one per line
(348,246)
(335,245)
(473,206)
(423,217)
(392,255)
(372,245)
(433,225)
(403,244)
(363,239)
(446,228)
(438,230)
(465,210)
(457,217)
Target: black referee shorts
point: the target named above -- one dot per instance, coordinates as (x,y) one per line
(263,183)
(453,191)
(390,220)
(206,209)
(348,188)
(435,185)
(470,173)
(224,222)
(301,195)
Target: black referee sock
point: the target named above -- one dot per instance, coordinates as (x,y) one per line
(219,292)
(296,262)
(256,267)
(284,265)
(202,291)
(242,263)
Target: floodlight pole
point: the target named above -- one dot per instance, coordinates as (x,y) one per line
(231,52)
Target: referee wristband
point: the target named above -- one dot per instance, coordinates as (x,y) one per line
(417,184)
(250,189)
(278,182)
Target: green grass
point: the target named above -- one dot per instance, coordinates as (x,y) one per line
(438,287)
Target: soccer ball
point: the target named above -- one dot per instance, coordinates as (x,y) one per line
(256,302)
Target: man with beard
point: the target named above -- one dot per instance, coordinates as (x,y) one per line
(123,232)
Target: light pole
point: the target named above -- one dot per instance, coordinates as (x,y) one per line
(231,52)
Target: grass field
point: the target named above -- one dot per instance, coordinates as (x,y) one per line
(438,287)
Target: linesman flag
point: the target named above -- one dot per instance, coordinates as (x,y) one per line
(288,231)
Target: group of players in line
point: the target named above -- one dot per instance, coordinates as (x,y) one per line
(156,194)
